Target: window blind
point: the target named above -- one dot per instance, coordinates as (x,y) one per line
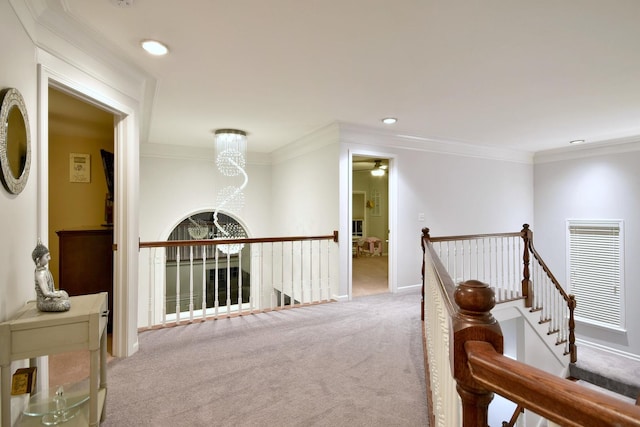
(595,271)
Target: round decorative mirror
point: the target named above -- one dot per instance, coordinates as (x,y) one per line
(15,141)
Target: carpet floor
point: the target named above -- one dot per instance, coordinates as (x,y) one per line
(356,363)
(370,275)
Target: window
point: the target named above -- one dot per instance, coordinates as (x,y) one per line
(595,270)
(356,228)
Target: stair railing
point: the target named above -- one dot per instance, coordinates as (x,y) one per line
(505,261)
(189,280)
(545,294)
(514,418)
(465,365)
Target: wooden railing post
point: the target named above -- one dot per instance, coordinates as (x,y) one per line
(573,351)
(527,289)
(473,322)
(425,235)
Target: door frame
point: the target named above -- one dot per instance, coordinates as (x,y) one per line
(59,74)
(392,212)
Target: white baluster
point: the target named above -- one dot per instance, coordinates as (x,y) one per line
(191,283)
(204,283)
(216,301)
(240,282)
(151,288)
(164,292)
(178,286)
(228,283)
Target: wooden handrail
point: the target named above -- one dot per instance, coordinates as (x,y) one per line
(569,299)
(448,287)
(546,269)
(472,236)
(214,242)
(469,309)
(557,399)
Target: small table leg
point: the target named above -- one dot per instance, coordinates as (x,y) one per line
(103,372)
(6,395)
(93,387)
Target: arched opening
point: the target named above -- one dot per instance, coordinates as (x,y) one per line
(215,279)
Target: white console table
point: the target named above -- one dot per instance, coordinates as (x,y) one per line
(32,333)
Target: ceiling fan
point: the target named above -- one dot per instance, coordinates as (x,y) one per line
(376,166)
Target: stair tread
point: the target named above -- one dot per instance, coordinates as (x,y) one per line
(609,370)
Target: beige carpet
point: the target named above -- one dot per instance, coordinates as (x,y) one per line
(370,275)
(72,367)
(353,364)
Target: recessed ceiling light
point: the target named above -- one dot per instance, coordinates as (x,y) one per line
(576,141)
(154,47)
(389,120)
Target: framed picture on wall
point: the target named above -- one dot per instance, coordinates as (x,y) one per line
(79,167)
(375,196)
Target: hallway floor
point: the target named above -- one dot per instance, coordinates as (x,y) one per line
(370,275)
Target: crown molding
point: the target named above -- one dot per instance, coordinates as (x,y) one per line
(324,136)
(168,151)
(361,135)
(581,151)
(55,33)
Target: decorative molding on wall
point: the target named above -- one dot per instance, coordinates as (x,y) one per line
(167,151)
(339,132)
(601,148)
(354,134)
(327,135)
(54,33)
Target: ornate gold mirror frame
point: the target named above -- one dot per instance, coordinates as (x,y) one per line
(15,141)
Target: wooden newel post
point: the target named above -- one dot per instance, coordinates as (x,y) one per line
(573,351)
(527,291)
(425,235)
(474,322)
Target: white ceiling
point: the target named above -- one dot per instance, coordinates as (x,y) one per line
(519,74)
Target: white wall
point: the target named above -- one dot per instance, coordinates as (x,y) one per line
(18,213)
(600,186)
(457,193)
(305,186)
(177,181)
(305,194)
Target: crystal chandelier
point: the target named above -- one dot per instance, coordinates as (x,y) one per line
(231,152)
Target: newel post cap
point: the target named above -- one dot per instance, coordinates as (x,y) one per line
(475,298)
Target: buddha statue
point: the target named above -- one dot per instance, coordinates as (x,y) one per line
(48,298)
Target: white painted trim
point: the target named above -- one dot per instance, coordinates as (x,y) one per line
(167,151)
(56,72)
(392,211)
(409,287)
(581,343)
(52,28)
(354,134)
(328,135)
(601,148)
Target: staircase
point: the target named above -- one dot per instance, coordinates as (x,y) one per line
(609,371)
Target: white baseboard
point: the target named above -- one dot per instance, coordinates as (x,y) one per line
(580,342)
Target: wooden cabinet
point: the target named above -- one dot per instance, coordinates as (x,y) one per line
(86,262)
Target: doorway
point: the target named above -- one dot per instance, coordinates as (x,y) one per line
(78,182)
(369,225)
(80,203)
